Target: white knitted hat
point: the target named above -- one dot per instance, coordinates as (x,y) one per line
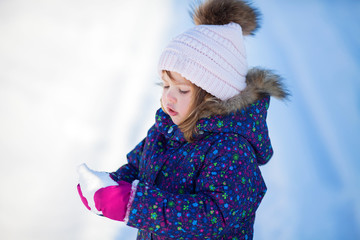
(212,55)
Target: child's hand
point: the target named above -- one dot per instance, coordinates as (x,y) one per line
(102,195)
(113,201)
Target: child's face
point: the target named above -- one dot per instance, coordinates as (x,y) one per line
(177,96)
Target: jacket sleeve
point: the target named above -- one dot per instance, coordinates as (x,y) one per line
(228,191)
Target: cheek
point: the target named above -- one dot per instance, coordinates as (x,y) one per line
(187,104)
(162,99)
(162,102)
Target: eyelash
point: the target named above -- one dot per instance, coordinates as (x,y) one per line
(180,91)
(161,84)
(183,92)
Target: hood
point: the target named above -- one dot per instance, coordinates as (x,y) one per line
(244,114)
(249,123)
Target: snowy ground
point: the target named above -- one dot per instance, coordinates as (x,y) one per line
(77,84)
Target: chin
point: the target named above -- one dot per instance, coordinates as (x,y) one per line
(176,121)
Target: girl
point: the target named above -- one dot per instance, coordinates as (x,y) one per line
(196,174)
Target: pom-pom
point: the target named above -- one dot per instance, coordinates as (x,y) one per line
(221,12)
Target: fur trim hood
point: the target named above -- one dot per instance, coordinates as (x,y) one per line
(260,83)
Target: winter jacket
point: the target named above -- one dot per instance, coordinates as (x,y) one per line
(210,188)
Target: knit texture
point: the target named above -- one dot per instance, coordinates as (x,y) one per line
(212,57)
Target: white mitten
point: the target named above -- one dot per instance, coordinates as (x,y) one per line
(91,181)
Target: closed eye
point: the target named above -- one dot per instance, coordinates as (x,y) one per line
(184,92)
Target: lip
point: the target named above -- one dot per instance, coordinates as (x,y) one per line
(171,112)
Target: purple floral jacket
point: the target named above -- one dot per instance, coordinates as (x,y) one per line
(210,188)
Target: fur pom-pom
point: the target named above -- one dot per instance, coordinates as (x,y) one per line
(221,12)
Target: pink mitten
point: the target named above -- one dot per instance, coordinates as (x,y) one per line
(104,196)
(113,201)
(83,199)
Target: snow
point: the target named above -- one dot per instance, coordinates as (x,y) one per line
(77,84)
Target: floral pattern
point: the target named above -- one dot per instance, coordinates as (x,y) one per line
(207,189)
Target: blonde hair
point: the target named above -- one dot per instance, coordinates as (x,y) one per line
(200,99)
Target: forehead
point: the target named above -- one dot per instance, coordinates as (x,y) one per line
(175,77)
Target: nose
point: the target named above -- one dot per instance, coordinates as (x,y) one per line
(170,96)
